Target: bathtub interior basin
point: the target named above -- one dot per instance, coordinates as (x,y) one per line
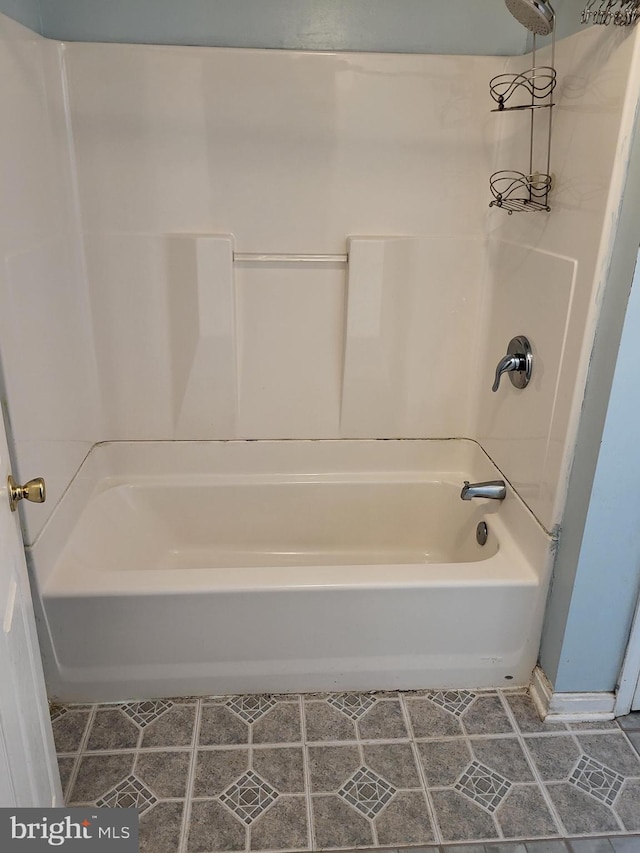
(300,551)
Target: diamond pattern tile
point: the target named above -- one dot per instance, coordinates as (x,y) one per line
(56,711)
(251,708)
(249,797)
(367,792)
(354,705)
(128,794)
(596,779)
(454,701)
(144,713)
(483,785)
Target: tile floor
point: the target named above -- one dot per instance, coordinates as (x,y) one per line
(346,771)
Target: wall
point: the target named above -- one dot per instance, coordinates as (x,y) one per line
(608,573)
(27,12)
(44,329)
(546,273)
(179,173)
(421,26)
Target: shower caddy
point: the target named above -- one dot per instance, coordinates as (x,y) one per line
(621,13)
(530,90)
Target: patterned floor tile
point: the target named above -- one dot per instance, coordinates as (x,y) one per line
(56,710)
(280,724)
(505,756)
(161,827)
(526,716)
(220,726)
(249,797)
(405,820)
(164,773)
(112,729)
(331,766)
(383,721)
(554,757)
(634,739)
(367,792)
(395,762)
(588,776)
(613,750)
(69,729)
(129,793)
(353,705)
(454,701)
(251,772)
(581,813)
(282,767)
(327,723)
(457,712)
(337,824)
(524,814)
(216,769)
(486,716)
(143,713)
(251,708)
(430,720)
(483,785)
(460,819)
(596,779)
(174,727)
(628,805)
(98,774)
(283,827)
(444,761)
(66,766)
(213,827)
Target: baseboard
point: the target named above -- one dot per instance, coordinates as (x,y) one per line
(569,707)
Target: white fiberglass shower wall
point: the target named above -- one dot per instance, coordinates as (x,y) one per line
(286,245)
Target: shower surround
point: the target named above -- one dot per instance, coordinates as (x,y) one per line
(291,247)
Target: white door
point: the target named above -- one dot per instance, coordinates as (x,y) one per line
(28,768)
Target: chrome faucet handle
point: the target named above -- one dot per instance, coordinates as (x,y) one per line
(518,363)
(507,364)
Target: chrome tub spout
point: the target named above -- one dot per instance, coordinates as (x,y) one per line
(495,490)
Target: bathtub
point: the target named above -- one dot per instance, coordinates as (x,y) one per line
(199,568)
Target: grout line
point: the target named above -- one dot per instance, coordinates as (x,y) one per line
(360,746)
(534,769)
(186,816)
(83,741)
(247,829)
(311,835)
(431,809)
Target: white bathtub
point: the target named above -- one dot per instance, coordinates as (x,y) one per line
(226,567)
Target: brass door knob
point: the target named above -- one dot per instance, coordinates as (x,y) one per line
(34,491)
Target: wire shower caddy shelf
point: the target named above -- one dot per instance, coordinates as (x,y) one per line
(620,13)
(531,90)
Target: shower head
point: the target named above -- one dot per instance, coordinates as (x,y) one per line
(536,15)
